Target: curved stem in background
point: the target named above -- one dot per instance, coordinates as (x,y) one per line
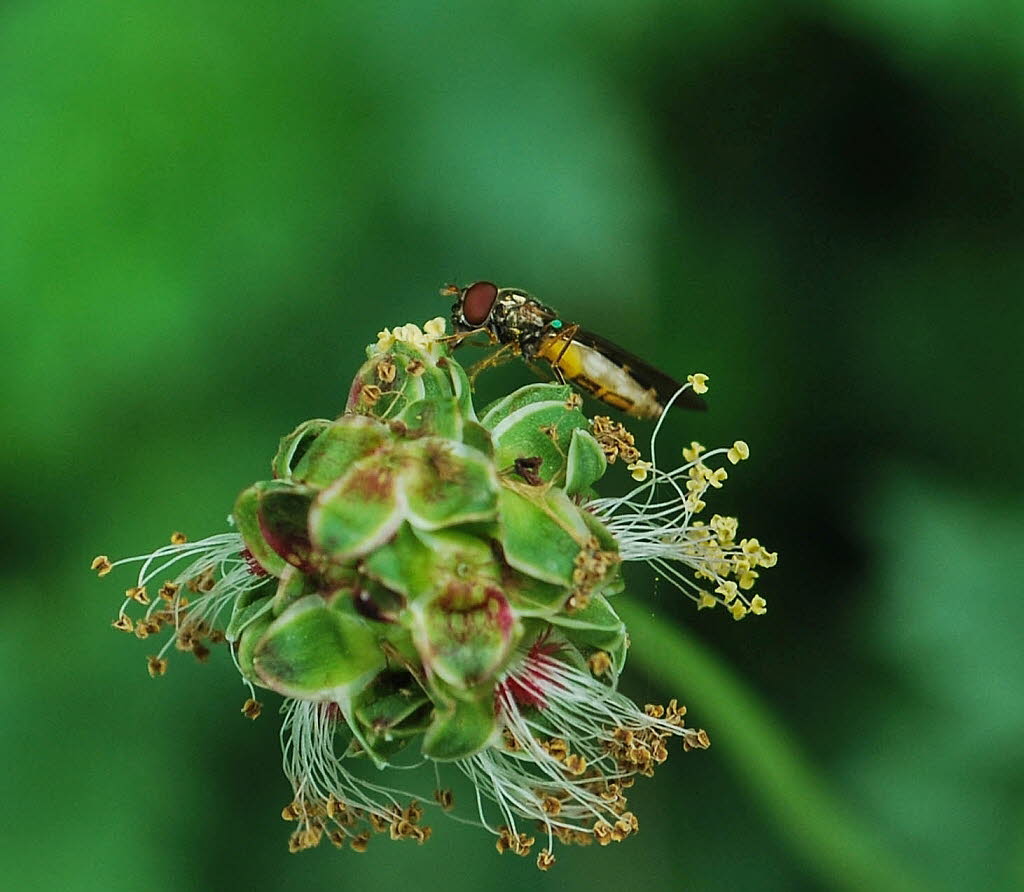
(821,831)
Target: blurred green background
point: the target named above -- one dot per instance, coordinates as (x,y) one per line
(209,208)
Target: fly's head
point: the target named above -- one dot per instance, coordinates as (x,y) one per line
(483,306)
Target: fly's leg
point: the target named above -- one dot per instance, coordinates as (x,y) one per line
(539,370)
(455,340)
(566,335)
(498,357)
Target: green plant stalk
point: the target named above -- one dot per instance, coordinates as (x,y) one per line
(822,832)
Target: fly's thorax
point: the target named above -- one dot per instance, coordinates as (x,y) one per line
(521,320)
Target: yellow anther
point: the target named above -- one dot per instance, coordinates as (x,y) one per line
(551,805)
(511,742)
(410,334)
(156,665)
(699,382)
(137,593)
(178,538)
(168,590)
(603,832)
(725,526)
(717,477)
(693,451)
(747,579)
(545,859)
(575,764)
(738,610)
(728,591)
(101,564)
(370,394)
(706,600)
(379,823)
(436,327)
(599,663)
(504,841)
(640,469)
(386,370)
(413,812)
(251,709)
(738,452)
(556,748)
(522,844)
(758,605)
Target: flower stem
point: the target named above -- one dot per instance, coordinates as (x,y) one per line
(830,840)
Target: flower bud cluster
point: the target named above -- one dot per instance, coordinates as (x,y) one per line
(419,579)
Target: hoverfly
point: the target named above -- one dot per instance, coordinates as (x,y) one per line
(523,326)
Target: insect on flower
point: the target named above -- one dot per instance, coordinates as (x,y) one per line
(523,326)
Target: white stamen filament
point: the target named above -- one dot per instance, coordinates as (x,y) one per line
(575,708)
(654,522)
(316,772)
(220,554)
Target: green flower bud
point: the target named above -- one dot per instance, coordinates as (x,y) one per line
(247,520)
(292,585)
(246,609)
(295,445)
(249,637)
(283,511)
(585,464)
(447,483)
(461,727)
(357,513)
(542,533)
(338,446)
(465,635)
(595,627)
(536,422)
(316,652)
(391,712)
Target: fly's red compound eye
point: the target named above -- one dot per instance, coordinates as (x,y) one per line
(478,301)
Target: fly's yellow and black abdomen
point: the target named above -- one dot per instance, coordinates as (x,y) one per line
(522,325)
(600,376)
